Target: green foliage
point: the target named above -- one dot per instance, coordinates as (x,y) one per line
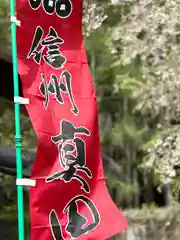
(5,39)
(163,154)
(7,126)
(134,54)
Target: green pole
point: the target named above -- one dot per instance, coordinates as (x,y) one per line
(17,125)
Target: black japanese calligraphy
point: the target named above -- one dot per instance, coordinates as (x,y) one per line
(55,226)
(56,88)
(62,8)
(53,56)
(78,224)
(72,154)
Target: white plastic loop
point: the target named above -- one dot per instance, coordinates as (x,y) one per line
(25,182)
(14,20)
(21,100)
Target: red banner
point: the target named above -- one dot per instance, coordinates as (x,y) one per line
(70,200)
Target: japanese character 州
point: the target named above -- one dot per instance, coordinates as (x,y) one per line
(78,224)
(57,88)
(72,154)
(53,57)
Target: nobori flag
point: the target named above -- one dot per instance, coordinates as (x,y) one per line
(70,199)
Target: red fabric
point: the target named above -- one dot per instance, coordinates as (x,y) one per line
(56,79)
